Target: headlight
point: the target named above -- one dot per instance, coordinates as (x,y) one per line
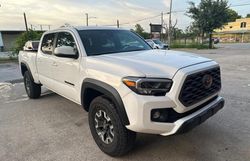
(148,86)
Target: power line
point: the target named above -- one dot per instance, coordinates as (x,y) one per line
(166,13)
(139,20)
(143,19)
(239,5)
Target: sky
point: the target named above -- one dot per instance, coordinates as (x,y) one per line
(106,12)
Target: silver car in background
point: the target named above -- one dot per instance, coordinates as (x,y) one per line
(157,44)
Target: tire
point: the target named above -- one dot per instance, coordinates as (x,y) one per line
(33,90)
(122,140)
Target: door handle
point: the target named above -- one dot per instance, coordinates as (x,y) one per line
(55,64)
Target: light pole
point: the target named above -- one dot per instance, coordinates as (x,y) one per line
(88,18)
(170,24)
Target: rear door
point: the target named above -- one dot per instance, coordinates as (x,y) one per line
(65,70)
(44,60)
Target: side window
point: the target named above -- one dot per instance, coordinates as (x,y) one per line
(47,43)
(66,39)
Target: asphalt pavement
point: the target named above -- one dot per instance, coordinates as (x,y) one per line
(54,128)
(10,72)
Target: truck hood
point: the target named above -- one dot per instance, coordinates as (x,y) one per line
(148,63)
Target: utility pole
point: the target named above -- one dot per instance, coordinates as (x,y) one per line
(25,21)
(161,35)
(41,27)
(170,24)
(49,26)
(31,26)
(87,19)
(118,24)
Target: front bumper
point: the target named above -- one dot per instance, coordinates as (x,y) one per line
(192,122)
(140,120)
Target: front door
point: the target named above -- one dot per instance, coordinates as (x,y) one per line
(65,70)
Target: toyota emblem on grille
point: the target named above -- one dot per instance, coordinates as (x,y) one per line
(207,81)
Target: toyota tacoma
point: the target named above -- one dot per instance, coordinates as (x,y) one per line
(125,86)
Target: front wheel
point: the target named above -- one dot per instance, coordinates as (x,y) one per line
(33,90)
(111,136)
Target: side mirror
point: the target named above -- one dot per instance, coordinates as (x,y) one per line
(65,51)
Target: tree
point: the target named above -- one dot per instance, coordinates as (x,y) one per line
(23,38)
(209,15)
(139,30)
(248,15)
(232,15)
(177,33)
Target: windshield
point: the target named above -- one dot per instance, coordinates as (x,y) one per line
(99,42)
(158,42)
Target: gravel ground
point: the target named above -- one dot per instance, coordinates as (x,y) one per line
(53,128)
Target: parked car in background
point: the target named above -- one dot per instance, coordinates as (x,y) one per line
(31,46)
(157,44)
(151,43)
(216,40)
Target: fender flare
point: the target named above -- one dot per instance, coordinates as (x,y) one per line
(28,69)
(108,91)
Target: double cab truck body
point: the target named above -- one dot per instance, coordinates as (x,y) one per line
(123,84)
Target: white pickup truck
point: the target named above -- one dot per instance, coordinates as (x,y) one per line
(123,84)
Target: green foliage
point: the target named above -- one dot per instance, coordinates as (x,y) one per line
(191,32)
(8,59)
(177,33)
(139,30)
(248,15)
(192,45)
(23,38)
(209,15)
(232,15)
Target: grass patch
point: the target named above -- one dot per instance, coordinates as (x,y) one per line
(8,60)
(191,46)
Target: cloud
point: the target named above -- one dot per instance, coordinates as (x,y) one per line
(58,12)
(166,3)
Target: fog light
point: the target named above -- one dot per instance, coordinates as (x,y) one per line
(159,115)
(156,114)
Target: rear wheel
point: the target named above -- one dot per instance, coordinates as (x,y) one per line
(111,136)
(33,90)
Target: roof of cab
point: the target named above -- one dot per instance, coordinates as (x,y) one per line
(97,28)
(88,28)
(83,28)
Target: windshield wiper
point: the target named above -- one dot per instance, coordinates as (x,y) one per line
(134,50)
(121,51)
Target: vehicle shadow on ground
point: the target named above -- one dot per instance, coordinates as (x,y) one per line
(197,144)
(205,141)
(47,94)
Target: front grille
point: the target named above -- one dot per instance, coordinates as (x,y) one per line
(195,90)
